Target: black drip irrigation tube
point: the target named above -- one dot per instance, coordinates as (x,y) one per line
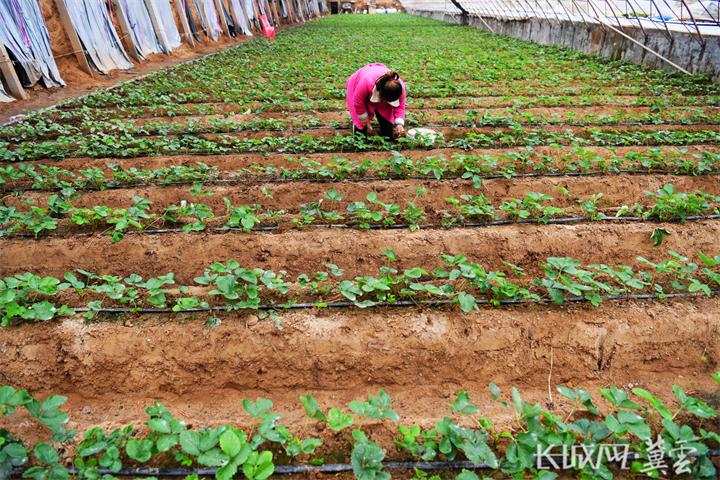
(146,115)
(396,226)
(309,179)
(344,128)
(399,303)
(491,93)
(175,153)
(335,467)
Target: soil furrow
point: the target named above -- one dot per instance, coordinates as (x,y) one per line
(566,192)
(232,162)
(482,116)
(517,102)
(303,251)
(343,355)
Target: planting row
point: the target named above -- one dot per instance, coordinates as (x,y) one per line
(26,297)
(119,146)
(640,433)
(81,114)
(578,160)
(668,205)
(465,57)
(282,121)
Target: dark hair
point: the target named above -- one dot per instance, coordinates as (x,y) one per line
(389,86)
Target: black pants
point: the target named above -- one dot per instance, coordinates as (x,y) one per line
(386,128)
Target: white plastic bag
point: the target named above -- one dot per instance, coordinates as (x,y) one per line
(425,134)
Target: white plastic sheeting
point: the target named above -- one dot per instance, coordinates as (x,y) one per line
(168,20)
(653,14)
(238,8)
(24,34)
(209,18)
(141,28)
(91,20)
(250,10)
(4,97)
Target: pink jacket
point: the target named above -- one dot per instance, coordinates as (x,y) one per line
(359,90)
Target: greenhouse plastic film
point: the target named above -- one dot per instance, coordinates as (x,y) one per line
(244,28)
(93,25)
(141,27)
(24,34)
(168,20)
(209,18)
(4,97)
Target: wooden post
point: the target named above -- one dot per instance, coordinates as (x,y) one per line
(236,17)
(10,75)
(158,26)
(256,8)
(184,22)
(276,10)
(125,30)
(290,9)
(223,20)
(73,37)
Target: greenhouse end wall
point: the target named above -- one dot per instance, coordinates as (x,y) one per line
(684,49)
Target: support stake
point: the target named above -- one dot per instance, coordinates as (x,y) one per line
(158,26)
(187,33)
(78,49)
(223,20)
(10,76)
(127,40)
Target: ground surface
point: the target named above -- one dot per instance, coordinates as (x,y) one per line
(270,121)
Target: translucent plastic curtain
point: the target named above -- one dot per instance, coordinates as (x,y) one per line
(91,20)
(209,18)
(141,27)
(24,34)
(238,8)
(168,20)
(250,10)
(4,97)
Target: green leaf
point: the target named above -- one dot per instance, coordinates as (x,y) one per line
(227,472)
(259,466)
(46,454)
(463,405)
(159,425)
(190,442)
(213,458)
(467,475)
(258,407)
(466,301)
(517,400)
(658,236)
(139,450)
(654,402)
(338,420)
(230,443)
(166,442)
(312,408)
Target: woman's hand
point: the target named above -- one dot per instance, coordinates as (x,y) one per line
(398,131)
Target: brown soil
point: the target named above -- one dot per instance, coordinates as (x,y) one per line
(451,133)
(420,357)
(79,83)
(415,104)
(358,253)
(113,368)
(617,190)
(313,121)
(231,162)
